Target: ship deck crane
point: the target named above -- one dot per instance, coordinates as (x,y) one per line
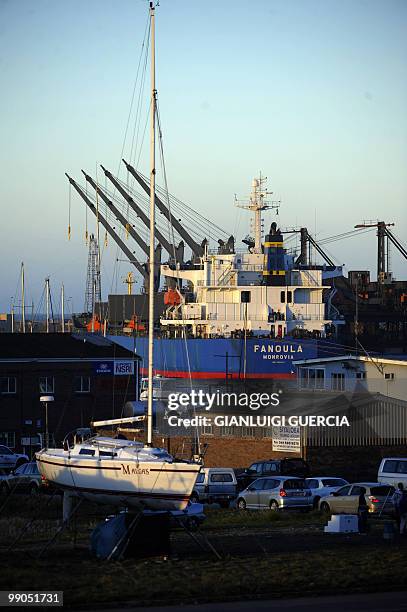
(382,252)
(140,213)
(142,269)
(196,248)
(307,239)
(143,245)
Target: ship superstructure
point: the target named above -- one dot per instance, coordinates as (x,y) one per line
(257,291)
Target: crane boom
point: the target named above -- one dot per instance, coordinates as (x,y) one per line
(194,246)
(118,214)
(106,225)
(140,213)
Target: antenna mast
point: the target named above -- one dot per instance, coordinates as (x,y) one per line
(257,203)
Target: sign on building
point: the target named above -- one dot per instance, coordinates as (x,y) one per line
(116,368)
(287,439)
(103,367)
(123,368)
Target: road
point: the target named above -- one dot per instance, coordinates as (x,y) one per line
(371,602)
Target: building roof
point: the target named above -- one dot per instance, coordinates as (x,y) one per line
(60,346)
(372,360)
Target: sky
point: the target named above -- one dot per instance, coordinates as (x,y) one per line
(311,93)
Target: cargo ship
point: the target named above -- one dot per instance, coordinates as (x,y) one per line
(241,314)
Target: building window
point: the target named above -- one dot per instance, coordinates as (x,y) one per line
(389,376)
(46,384)
(338,381)
(82,384)
(361,375)
(39,423)
(282,297)
(8,438)
(289,296)
(248,432)
(312,378)
(226,431)
(8,385)
(207,430)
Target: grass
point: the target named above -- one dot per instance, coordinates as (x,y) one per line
(295,563)
(223,519)
(85,580)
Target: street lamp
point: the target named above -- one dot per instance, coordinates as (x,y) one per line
(44,399)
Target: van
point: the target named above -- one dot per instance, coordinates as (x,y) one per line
(393,470)
(215,485)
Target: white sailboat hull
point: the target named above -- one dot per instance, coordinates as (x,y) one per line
(153,485)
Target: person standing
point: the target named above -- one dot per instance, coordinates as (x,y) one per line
(362,512)
(400,502)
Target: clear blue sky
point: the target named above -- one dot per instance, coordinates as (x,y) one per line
(311,92)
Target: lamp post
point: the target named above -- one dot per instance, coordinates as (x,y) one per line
(44,399)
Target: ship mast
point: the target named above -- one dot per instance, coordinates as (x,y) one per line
(152,224)
(257,203)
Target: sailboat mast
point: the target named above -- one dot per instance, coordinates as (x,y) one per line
(22,298)
(62,309)
(152,227)
(47,303)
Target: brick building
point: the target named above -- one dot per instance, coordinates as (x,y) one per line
(89,378)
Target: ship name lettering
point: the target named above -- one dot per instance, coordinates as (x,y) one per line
(277,348)
(134,470)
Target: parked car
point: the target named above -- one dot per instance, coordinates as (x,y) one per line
(215,485)
(320,486)
(9,460)
(276,493)
(292,466)
(346,500)
(393,470)
(25,479)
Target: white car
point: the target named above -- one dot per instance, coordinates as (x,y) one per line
(9,460)
(323,485)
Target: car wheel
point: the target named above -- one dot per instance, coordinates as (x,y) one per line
(34,490)
(194,499)
(274,505)
(325,508)
(4,490)
(241,504)
(316,502)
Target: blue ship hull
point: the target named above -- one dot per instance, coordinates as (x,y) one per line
(231,358)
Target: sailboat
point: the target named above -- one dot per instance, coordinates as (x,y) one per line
(117,471)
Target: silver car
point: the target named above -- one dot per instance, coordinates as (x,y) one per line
(321,486)
(276,493)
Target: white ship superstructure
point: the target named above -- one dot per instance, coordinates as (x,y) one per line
(261,293)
